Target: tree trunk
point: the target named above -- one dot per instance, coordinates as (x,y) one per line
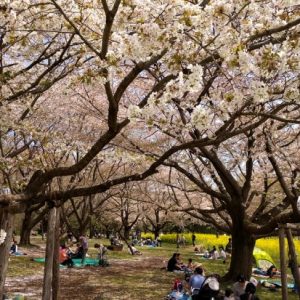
(156,233)
(126,231)
(242,254)
(55,280)
(50,248)
(26,229)
(6,224)
(294,260)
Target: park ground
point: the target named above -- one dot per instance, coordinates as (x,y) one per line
(127,277)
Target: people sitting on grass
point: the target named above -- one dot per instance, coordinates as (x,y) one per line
(64,258)
(212,254)
(239,287)
(189,269)
(14,248)
(196,282)
(249,292)
(190,265)
(174,263)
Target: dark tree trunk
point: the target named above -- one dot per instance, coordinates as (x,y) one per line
(156,233)
(242,254)
(50,248)
(26,229)
(55,282)
(92,230)
(6,223)
(126,232)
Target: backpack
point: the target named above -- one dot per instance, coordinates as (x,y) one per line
(209,289)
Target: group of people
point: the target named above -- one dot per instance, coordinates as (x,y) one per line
(205,287)
(215,254)
(242,289)
(66,254)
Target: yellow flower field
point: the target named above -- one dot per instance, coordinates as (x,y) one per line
(270,245)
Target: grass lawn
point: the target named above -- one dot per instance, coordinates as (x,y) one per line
(128,277)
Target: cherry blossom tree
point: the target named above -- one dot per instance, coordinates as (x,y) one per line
(199,73)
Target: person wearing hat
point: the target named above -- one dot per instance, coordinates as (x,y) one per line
(239,287)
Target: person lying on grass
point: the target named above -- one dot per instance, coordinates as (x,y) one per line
(132,250)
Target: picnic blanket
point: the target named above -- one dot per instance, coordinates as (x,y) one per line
(77,261)
(277,283)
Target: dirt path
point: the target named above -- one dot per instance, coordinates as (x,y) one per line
(123,279)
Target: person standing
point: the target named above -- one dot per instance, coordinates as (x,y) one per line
(193,239)
(85,247)
(228,247)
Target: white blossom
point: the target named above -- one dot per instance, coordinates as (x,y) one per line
(2,236)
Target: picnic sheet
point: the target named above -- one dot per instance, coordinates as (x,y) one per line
(77,261)
(277,283)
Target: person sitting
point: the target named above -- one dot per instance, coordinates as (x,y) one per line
(174,263)
(210,288)
(188,269)
(222,254)
(196,282)
(239,287)
(190,265)
(78,252)
(249,292)
(214,254)
(64,259)
(14,248)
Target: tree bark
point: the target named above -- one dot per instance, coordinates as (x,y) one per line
(284,291)
(242,254)
(6,223)
(50,247)
(126,231)
(26,229)
(156,233)
(55,280)
(294,260)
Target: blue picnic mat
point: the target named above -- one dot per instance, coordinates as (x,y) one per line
(77,261)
